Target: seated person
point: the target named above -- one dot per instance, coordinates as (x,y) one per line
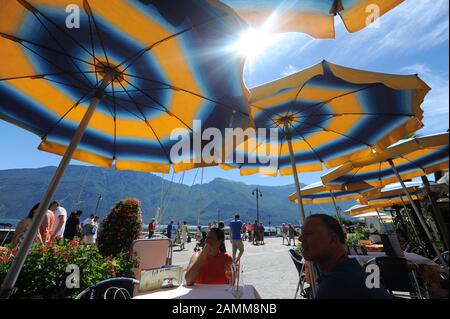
(341,277)
(208,265)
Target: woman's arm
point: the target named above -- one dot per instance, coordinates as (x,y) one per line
(195,266)
(45,227)
(39,239)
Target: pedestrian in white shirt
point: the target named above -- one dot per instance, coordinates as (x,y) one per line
(60,221)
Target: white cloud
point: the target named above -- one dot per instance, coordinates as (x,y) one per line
(290,69)
(416,25)
(413,25)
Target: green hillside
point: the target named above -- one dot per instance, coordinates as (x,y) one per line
(20,189)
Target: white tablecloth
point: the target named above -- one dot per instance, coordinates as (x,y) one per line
(417,259)
(200,292)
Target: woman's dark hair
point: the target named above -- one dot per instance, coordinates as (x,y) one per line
(220,236)
(31,213)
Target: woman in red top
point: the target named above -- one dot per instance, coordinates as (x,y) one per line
(208,266)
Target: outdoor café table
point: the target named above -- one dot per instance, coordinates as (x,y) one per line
(199,292)
(429,270)
(417,259)
(374,248)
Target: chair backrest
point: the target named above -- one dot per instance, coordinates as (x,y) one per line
(297,259)
(152,253)
(351,249)
(361,250)
(445,256)
(115,288)
(395,273)
(391,245)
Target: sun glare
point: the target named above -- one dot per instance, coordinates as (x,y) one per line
(253,42)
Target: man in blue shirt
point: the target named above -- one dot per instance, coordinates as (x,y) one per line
(169,230)
(341,277)
(236,240)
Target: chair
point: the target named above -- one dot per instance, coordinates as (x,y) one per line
(361,250)
(356,250)
(297,259)
(6,237)
(152,253)
(115,288)
(396,275)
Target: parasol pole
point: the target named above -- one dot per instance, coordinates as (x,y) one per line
(416,232)
(338,214)
(381,220)
(437,213)
(297,183)
(7,288)
(419,216)
(312,272)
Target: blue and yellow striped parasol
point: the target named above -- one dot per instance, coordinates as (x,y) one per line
(332,114)
(171,63)
(314,17)
(327,114)
(413,157)
(390,191)
(317,193)
(108,82)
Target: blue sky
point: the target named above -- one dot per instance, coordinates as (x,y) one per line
(412,38)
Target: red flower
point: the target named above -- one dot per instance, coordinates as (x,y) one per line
(43,249)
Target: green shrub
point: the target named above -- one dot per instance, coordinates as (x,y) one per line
(299,248)
(44,272)
(360,234)
(120,228)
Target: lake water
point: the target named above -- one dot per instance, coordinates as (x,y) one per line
(14,222)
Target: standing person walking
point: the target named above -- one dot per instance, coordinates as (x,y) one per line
(169,231)
(47,226)
(261,233)
(291,234)
(255,228)
(60,221)
(184,235)
(236,240)
(284,233)
(244,232)
(250,232)
(151,228)
(90,235)
(73,225)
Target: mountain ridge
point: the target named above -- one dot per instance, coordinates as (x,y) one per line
(81,187)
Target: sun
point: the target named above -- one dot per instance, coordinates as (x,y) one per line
(253,42)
